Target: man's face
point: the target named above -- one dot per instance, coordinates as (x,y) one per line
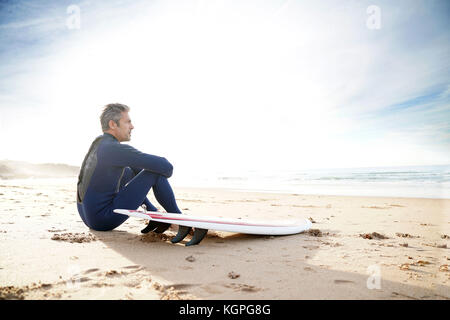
(123,131)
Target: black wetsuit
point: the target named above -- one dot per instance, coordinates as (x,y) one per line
(118,176)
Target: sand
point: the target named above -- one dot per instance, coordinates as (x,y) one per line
(358,248)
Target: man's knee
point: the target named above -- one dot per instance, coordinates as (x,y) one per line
(153,175)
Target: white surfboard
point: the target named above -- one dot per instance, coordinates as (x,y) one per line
(224,224)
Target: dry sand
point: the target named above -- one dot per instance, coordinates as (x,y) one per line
(360,248)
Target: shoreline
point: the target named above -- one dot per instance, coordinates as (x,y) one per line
(340,259)
(68,180)
(293,192)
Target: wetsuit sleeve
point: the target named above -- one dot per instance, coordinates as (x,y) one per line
(124,155)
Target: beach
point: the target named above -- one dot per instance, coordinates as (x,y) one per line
(357,248)
(329,111)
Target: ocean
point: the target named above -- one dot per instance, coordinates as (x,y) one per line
(405,181)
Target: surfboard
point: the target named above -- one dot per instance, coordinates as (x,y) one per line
(261,227)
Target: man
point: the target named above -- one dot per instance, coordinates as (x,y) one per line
(118,176)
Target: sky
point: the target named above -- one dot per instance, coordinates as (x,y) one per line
(230,85)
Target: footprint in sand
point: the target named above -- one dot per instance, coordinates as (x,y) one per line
(169,292)
(112,274)
(242,287)
(101,285)
(133,267)
(405,235)
(56,230)
(212,289)
(339,281)
(179,286)
(91,270)
(309,269)
(84,279)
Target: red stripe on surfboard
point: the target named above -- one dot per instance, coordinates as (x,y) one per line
(159,216)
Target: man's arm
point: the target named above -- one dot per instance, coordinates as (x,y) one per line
(124,155)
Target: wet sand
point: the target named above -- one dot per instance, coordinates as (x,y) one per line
(358,248)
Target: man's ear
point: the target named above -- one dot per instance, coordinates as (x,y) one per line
(112,124)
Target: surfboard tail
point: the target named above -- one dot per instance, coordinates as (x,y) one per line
(199,234)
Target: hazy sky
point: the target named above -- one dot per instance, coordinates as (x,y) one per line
(230,85)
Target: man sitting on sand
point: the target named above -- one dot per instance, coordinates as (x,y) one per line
(115,175)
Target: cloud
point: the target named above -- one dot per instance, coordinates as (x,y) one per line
(297,80)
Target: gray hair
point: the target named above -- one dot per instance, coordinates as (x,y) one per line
(112,111)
